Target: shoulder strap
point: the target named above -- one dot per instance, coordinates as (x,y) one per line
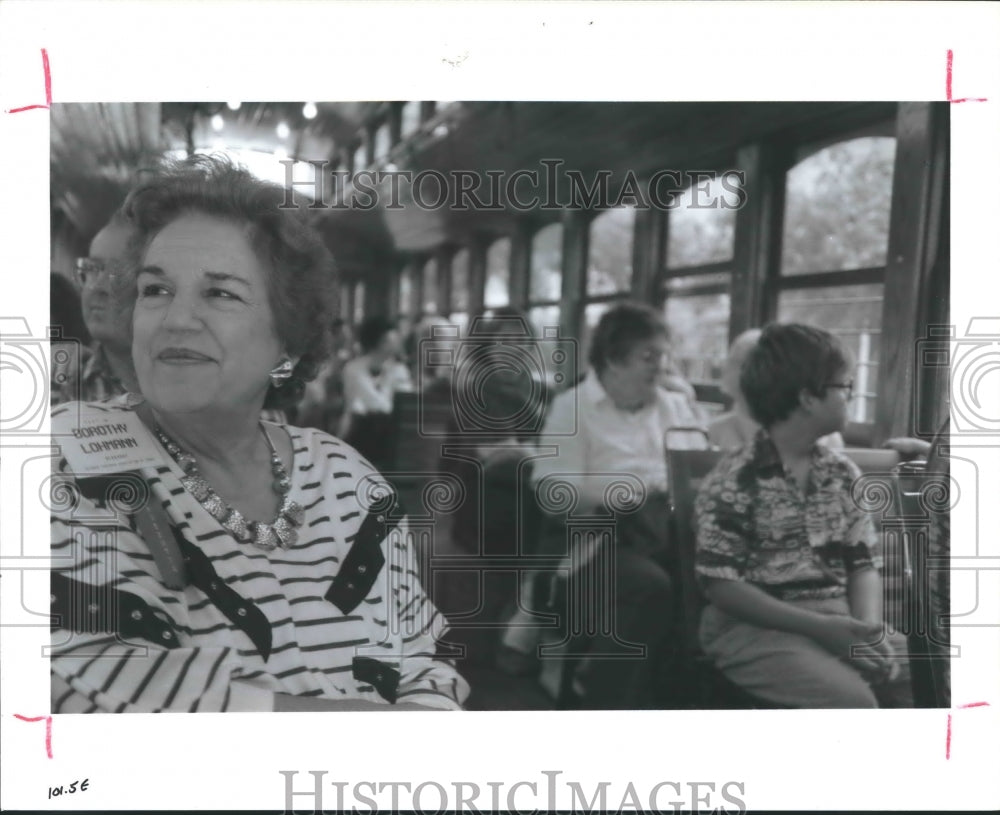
(154,528)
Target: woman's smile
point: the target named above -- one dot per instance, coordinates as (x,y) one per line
(182,356)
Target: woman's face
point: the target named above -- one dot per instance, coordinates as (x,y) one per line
(633,378)
(203,332)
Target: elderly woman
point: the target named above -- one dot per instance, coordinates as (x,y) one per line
(610,430)
(258,566)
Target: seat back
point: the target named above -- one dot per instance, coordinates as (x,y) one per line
(421,425)
(877,462)
(872,459)
(700,686)
(903,525)
(927,655)
(685,471)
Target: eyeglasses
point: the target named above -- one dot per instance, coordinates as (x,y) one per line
(89,270)
(848,387)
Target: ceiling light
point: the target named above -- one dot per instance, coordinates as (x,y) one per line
(233,105)
(282,130)
(309,110)
(218,122)
(391,168)
(441,130)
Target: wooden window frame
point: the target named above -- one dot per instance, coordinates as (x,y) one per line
(793,152)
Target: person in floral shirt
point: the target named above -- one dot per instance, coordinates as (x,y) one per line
(787,560)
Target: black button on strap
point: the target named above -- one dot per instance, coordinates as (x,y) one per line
(241,612)
(84,608)
(384,678)
(363,563)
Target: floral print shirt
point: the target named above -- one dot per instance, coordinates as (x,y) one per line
(755,524)
(84,374)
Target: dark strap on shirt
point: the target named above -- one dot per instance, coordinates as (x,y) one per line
(152,523)
(364,560)
(381,676)
(362,565)
(155,529)
(86,608)
(179,562)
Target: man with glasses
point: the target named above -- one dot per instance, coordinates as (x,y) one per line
(105,369)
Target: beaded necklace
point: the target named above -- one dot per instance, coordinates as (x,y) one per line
(280,532)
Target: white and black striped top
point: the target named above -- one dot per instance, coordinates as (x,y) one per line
(340,615)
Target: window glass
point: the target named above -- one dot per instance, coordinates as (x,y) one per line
(542,318)
(700,229)
(460,281)
(837,205)
(854,315)
(497,292)
(546,264)
(382,142)
(359,157)
(592,314)
(359,302)
(609,267)
(430,287)
(699,334)
(409,118)
(406,292)
(347,303)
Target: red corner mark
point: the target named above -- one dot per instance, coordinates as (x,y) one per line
(947,84)
(947,741)
(48,88)
(48,726)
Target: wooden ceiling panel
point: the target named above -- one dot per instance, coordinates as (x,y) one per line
(96,148)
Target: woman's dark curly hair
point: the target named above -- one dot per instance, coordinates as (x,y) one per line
(302,280)
(620,329)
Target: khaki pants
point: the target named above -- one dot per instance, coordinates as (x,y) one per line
(788,669)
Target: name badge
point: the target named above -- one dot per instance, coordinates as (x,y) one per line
(110,443)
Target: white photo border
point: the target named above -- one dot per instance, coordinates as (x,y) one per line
(345,51)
